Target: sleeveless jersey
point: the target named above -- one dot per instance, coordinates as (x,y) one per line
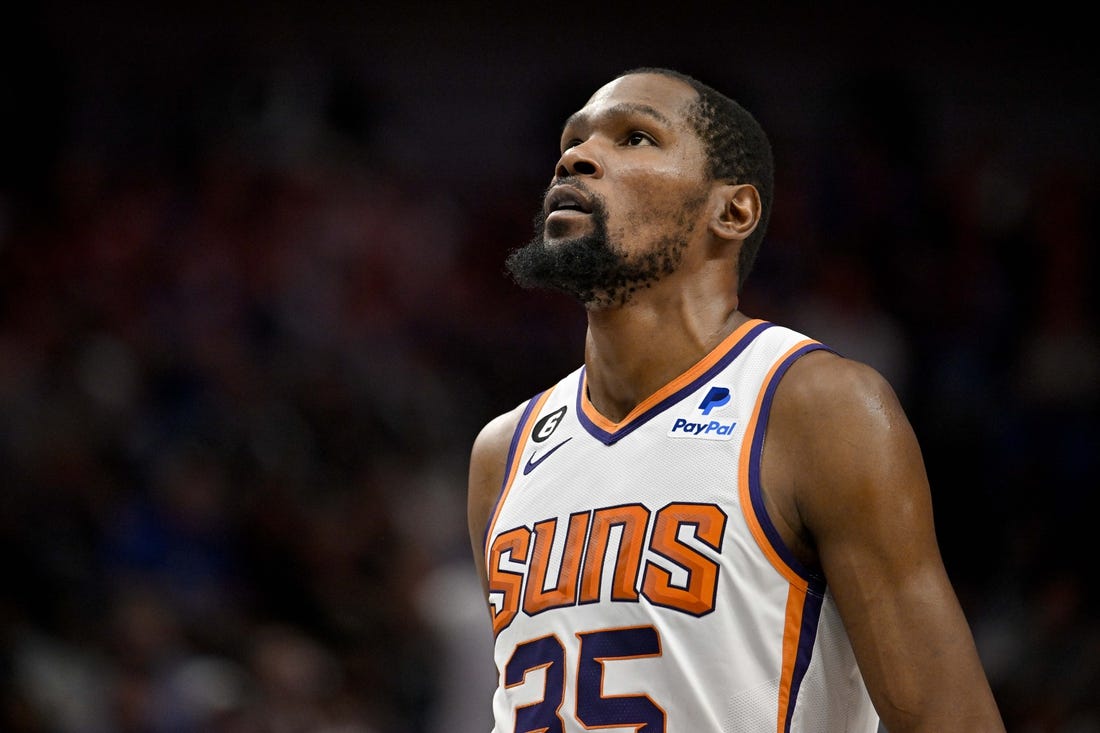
(636,582)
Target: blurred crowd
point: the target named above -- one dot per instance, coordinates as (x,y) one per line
(237,395)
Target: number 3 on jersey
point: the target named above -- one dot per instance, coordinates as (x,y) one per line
(594,710)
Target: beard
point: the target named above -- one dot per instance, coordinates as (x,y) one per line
(590,267)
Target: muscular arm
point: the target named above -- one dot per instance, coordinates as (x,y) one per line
(487,466)
(844,472)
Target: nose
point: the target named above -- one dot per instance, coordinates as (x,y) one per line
(579,160)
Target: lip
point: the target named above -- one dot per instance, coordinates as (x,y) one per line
(564,199)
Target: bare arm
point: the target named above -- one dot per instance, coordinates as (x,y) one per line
(844,472)
(487,466)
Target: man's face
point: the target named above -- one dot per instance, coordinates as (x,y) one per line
(627,196)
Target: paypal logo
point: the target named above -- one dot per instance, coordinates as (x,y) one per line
(717,397)
(707,429)
(711,430)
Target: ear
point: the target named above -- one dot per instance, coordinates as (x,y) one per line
(737,211)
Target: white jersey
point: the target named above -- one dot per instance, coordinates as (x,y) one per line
(636,581)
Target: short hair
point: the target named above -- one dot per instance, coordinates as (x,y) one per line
(737,150)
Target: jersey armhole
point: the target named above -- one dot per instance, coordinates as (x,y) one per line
(752,496)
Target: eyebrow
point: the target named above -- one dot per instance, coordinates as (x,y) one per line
(624,108)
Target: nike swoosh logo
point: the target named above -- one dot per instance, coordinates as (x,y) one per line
(532,464)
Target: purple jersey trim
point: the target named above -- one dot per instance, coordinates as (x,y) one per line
(520,427)
(807,635)
(816,580)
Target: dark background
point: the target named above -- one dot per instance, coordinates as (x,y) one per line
(253,312)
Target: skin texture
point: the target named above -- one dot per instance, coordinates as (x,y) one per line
(843,475)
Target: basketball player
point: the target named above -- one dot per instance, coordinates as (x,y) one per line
(715,524)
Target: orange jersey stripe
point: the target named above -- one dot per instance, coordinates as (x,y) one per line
(792,634)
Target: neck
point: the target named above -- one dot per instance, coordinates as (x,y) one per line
(633,350)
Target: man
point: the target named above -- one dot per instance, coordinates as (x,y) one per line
(715,524)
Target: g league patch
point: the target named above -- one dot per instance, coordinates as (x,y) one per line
(702,425)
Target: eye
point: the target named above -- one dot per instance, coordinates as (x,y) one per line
(570,144)
(637,138)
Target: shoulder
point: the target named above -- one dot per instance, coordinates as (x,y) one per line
(493,440)
(488,463)
(824,390)
(824,376)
